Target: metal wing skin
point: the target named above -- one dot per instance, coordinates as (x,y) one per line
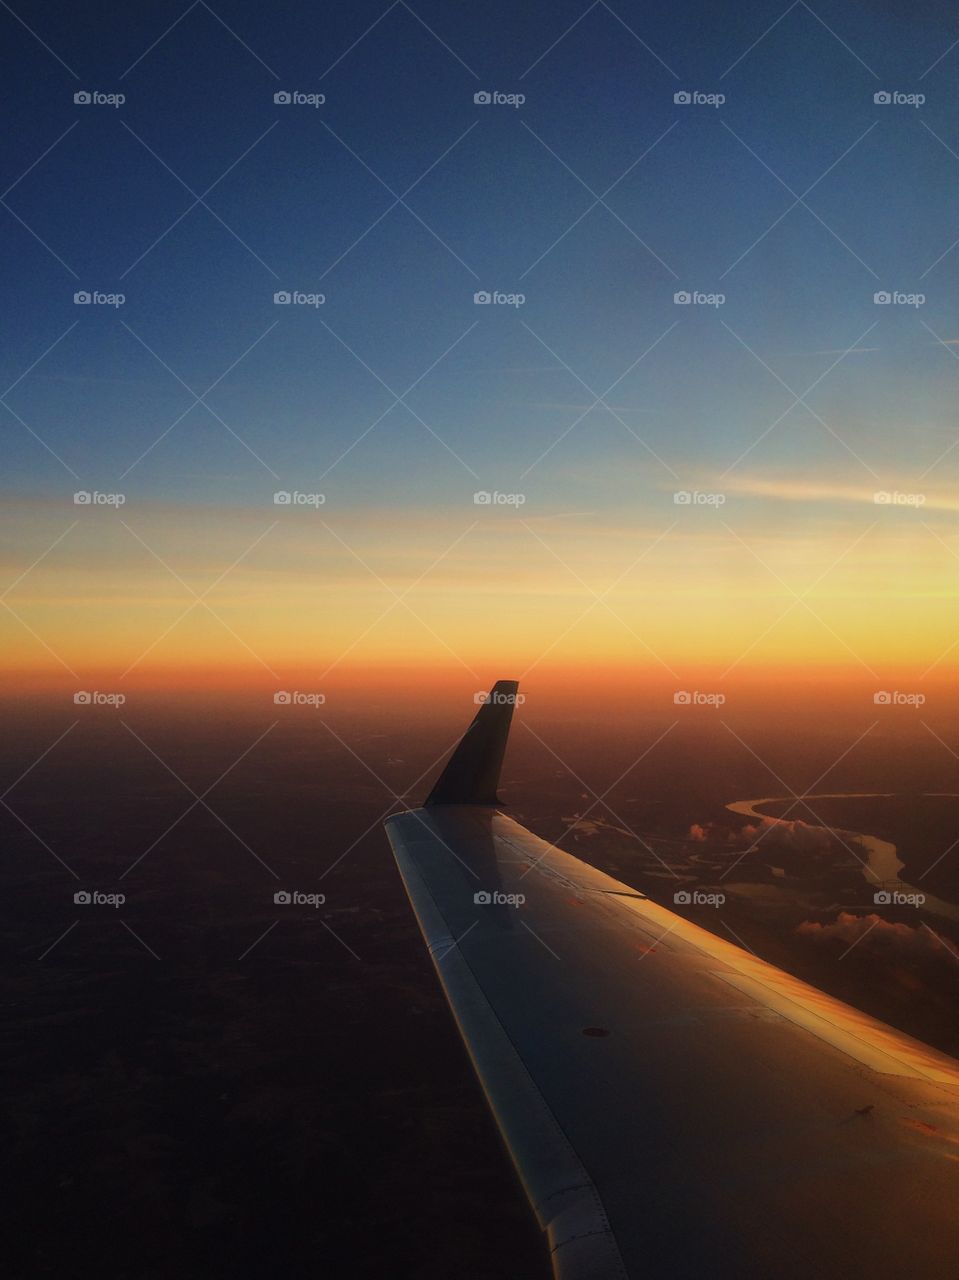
(674,1105)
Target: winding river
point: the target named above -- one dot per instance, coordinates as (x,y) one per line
(883,865)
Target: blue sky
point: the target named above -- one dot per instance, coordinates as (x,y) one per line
(598,199)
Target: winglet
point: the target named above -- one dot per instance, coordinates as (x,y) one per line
(472,772)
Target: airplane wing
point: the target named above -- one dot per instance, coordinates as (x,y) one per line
(674,1105)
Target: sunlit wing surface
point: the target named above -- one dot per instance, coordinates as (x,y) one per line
(675,1106)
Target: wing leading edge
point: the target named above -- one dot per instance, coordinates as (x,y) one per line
(673,1104)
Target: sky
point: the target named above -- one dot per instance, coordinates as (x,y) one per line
(589,197)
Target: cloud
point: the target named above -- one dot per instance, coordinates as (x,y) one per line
(885,936)
(784,835)
(789,835)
